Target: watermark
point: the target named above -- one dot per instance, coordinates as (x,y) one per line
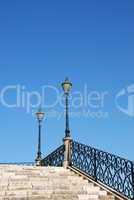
(125,100)
(83,103)
(84,113)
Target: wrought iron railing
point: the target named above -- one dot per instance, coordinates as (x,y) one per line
(56,158)
(113,171)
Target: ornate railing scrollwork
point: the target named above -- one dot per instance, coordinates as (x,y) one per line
(55,158)
(83,158)
(111,170)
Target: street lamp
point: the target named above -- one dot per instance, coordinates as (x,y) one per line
(40,116)
(67,85)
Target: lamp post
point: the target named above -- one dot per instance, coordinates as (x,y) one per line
(66,85)
(40,116)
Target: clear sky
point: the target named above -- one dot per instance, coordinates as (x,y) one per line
(91,42)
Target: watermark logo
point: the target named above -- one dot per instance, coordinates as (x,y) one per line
(85,103)
(126,96)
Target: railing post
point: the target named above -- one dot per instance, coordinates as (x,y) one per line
(67,152)
(95,166)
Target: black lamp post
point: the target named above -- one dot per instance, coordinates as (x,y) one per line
(66,85)
(40,116)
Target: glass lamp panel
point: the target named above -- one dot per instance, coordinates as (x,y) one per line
(40,115)
(66,87)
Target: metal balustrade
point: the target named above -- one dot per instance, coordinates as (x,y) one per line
(113,171)
(56,158)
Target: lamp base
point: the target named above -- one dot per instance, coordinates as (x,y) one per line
(38,161)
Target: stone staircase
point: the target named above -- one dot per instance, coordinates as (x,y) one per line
(46,183)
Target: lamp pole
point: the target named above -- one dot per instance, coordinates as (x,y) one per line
(40,117)
(66,85)
(67,130)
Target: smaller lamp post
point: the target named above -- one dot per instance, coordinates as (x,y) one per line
(40,116)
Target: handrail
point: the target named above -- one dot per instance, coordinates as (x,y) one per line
(111,170)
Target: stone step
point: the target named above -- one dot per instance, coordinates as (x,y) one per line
(55,183)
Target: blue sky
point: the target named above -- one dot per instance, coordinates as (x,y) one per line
(42,42)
